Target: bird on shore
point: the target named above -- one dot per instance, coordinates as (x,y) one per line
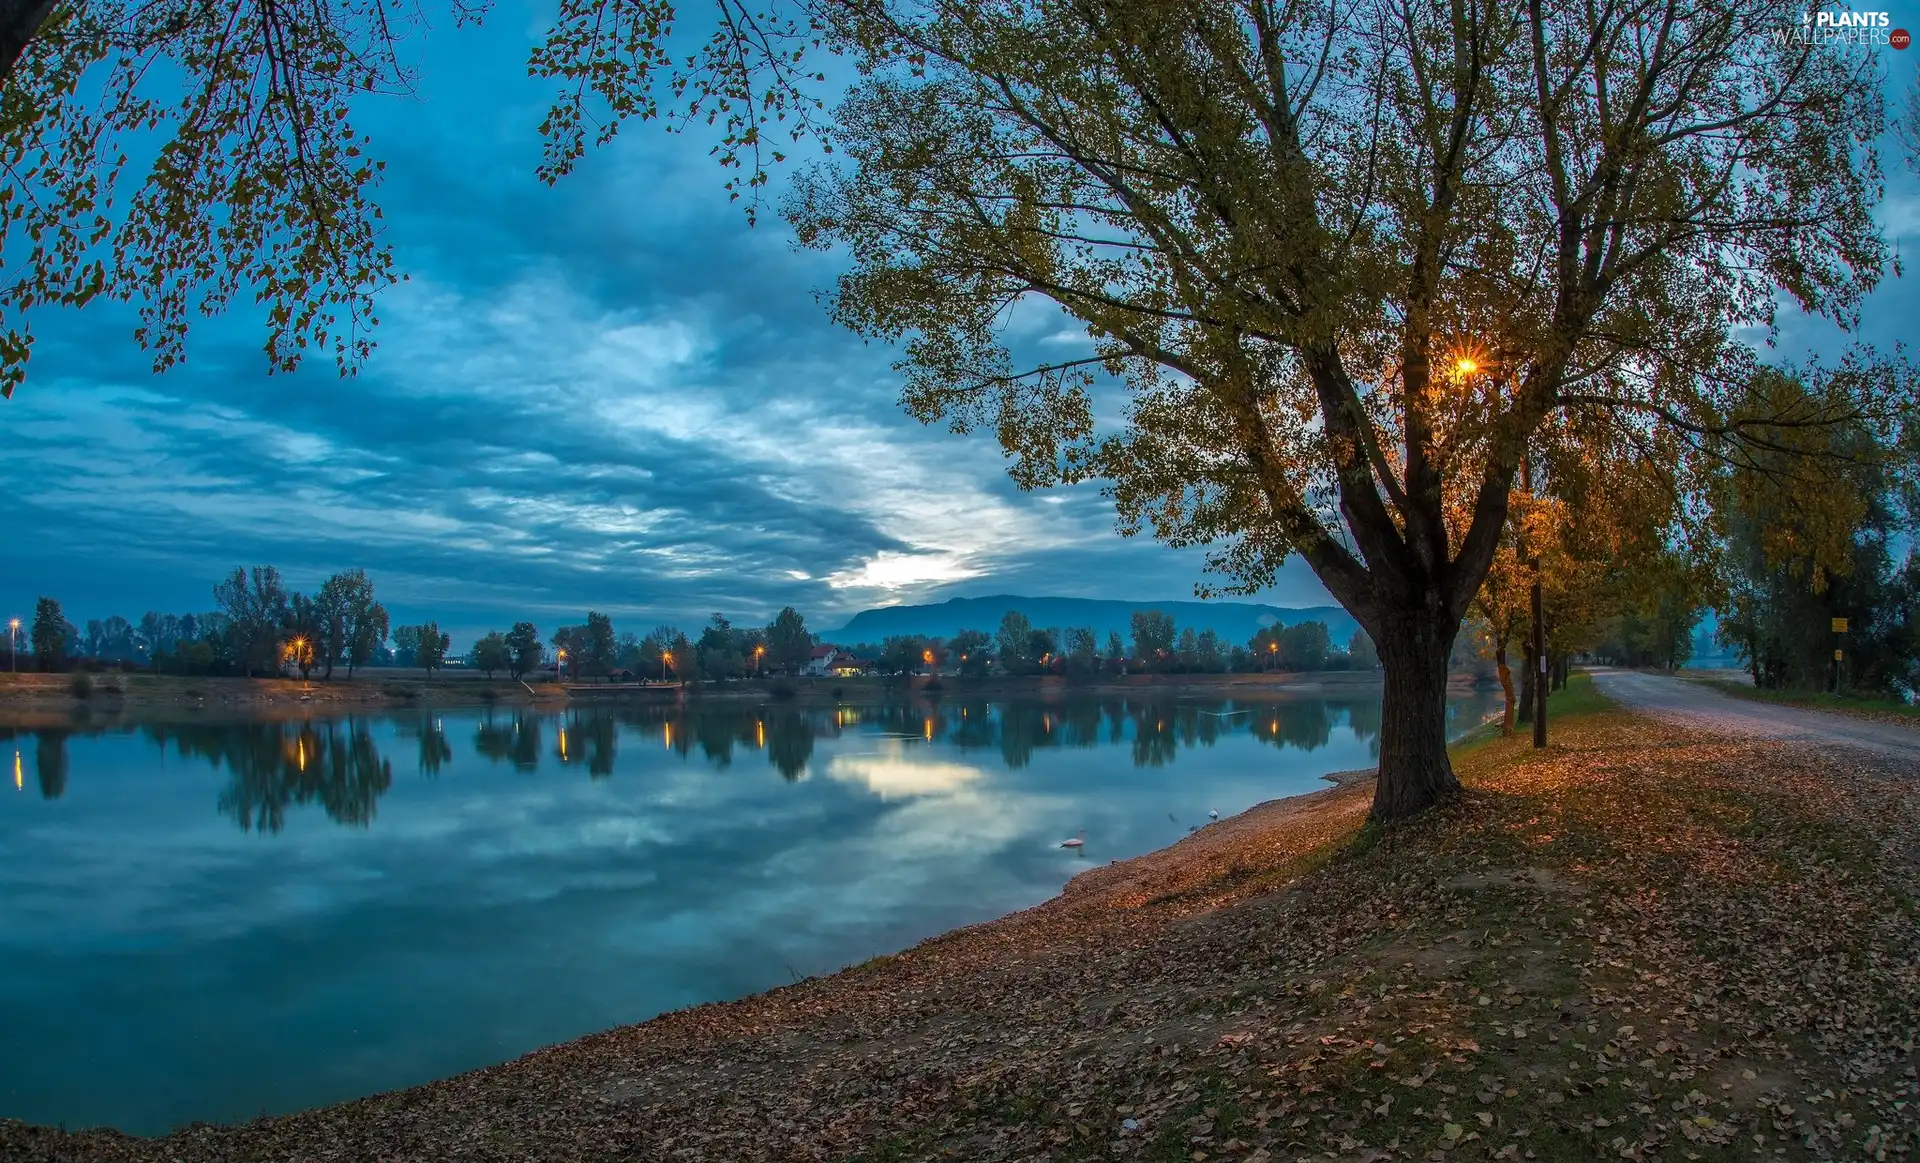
(1170,817)
(1213,813)
(1079,841)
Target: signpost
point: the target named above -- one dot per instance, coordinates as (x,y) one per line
(1839,627)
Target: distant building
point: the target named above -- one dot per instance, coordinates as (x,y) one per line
(820,661)
(847,666)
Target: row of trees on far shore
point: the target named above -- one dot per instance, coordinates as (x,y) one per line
(1157,646)
(261,627)
(258,626)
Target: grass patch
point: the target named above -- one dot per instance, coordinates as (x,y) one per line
(1578,697)
(1816,700)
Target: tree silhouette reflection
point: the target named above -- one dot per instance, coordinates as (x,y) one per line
(274,767)
(790,741)
(435,751)
(50,761)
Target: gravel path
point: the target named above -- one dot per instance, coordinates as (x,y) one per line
(1691,702)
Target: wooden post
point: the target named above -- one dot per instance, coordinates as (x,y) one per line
(1539,659)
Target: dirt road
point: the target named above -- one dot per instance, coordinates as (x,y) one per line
(1692,702)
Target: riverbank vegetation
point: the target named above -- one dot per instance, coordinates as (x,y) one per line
(1846,702)
(1640,943)
(260,626)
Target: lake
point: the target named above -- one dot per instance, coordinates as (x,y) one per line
(211,919)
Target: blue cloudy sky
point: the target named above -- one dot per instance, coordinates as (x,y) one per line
(609,394)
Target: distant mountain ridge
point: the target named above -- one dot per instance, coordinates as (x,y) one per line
(1235,622)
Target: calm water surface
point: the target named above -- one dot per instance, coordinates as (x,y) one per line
(212,919)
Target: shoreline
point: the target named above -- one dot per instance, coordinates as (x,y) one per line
(120,694)
(1283,982)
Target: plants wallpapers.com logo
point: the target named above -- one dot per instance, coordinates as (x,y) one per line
(1843,27)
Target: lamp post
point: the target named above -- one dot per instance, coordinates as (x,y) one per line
(666,660)
(13,644)
(758,650)
(560,666)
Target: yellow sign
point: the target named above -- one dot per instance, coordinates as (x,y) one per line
(1839,625)
(1836,656)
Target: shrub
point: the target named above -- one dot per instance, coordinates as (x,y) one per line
(489,695)
(933,683)
(839,693)
(81,685)
(781,689)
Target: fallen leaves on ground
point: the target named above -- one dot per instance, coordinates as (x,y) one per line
(1638,944)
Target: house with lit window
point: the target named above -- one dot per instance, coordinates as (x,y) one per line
(820,660)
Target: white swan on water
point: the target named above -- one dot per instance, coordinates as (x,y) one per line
(1079,841)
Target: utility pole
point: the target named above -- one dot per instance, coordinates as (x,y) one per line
(1539,624)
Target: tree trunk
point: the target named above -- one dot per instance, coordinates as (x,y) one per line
(1415,772)
(1506,686)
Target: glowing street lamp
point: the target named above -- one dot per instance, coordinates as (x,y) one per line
(13,644)
(757,652)
(926,656)
(560,667)
(666,660)
(1466,365)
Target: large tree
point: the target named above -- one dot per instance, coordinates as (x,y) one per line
(354,624)
(597,644)
(788,642)
(1013,643)
(492,653)
(1335,261)
(524,641)
(1815,528)
(1153,635)
(429,646)
(48,634)
(255,602)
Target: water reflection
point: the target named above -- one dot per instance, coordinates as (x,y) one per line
(338,765)
(50,762)
(535,875)
(272,767)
